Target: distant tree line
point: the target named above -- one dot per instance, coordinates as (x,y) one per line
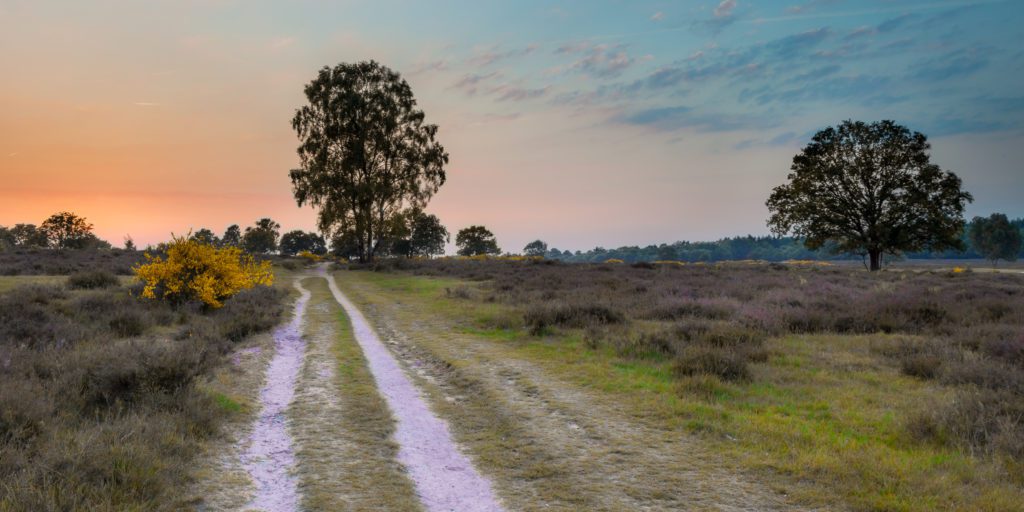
(771,248)
(62,230)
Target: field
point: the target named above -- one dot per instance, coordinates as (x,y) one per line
(99,408)
(899,391)
(567,386)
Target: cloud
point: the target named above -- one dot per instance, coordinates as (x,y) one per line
(429,67)
(514,93)
(12,154)
(472,83)
(492,55)
(948,67)
(725,8)
(658,16)
(669,119)
(603,61)
(279,43)
(146,104)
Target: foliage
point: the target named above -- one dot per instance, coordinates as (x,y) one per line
(196,271)
(232,236)
(297,241)
(93,418)
(476,240)
(205,236)
(92,279)
(995,238)
(28,235)
(366,153)
(870,189)
(418,234)
(129,244)
(535,248)
(262,237)
(65,229)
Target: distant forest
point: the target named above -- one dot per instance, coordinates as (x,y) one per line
(746,248)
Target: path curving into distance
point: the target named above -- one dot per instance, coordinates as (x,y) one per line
(269,457)
(444,478)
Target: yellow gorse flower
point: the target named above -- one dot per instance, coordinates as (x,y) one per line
(200,271)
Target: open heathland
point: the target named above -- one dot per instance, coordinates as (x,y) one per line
(892,390)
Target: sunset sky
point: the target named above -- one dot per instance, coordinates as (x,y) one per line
(582,123)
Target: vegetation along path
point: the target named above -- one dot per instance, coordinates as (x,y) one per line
(422,417)
(341,426)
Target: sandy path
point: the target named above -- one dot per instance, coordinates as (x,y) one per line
(269,457)
(444,478)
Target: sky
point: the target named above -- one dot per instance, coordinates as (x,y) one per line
(581,123)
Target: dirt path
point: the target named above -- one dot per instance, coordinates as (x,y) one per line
(270,458)
(444,478)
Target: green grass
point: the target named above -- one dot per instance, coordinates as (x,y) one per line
(823,419)
(227,403)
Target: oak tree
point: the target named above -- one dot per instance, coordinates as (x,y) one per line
(869,189)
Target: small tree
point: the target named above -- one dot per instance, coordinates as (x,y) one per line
(6,238)
(535,248)
(129,244)
(428,236)
(294,242)
(476,240)
(64,229)
(995,238)
(28,235)
(232,237)
(261,238)
(205,236)
(871,189)
(366,153)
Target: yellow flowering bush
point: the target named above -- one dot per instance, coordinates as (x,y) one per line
(200,271)
(310,257)
(614,260)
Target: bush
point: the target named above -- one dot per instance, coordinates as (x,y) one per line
(93,279)
(538,318)
(195,270)
(922,366)
(725,363)
(251,311)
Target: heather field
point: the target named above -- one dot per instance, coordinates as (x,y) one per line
(839,388)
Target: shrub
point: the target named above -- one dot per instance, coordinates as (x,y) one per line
(922,366)
(197,271)
(92,279)
(251,311)
(538,318)
(725,363)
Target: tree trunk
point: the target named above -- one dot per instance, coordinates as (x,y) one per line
(876,259)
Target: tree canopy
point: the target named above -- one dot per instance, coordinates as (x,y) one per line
(476,240)
(232,237)
(66,230)
(261,238)
(424,235)
(294,242)
(366,153)
(869,189)
(995,238)
(535,248)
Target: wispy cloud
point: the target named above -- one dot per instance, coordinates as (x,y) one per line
(279,43)
(494,54)
(146,104)
(725,8)
(658,16)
